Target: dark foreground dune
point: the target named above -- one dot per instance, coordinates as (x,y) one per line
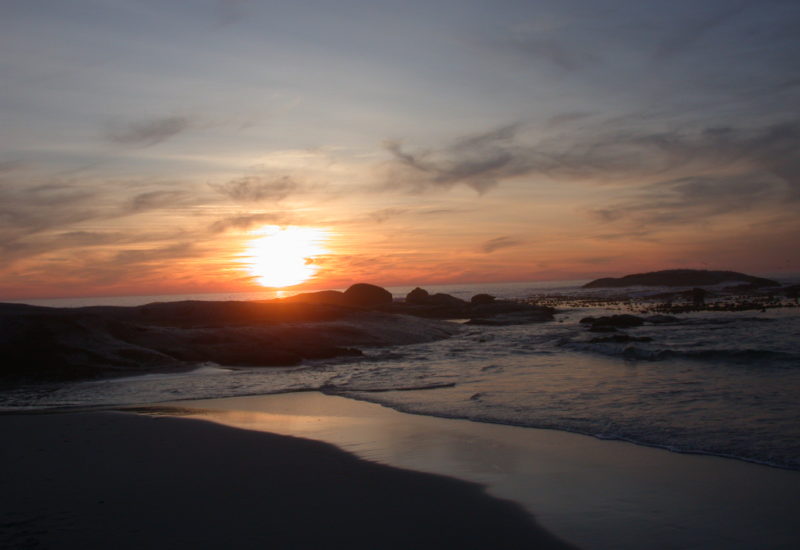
(118,480)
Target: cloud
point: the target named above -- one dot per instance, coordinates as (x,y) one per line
(147,132)
(243,222)
(688,200)
(562,54)
(258,188)
(606,152)
(691,33)
(562,119)
(380,216)
(11,165)
(132,257)
(479,162)
(230,11)
(499,243)
(156,199)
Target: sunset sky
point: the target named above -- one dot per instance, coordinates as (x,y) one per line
(145,143)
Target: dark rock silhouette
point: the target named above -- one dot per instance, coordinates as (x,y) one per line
(614,321)
(417,296)
(661,319)
(367,295)
(679,277)
(362,295)
(698,297)
(38,343)
(331,297)
(441,299)
(482,309)
(620,339)
(482,299)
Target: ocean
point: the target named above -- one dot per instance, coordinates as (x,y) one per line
(723,383)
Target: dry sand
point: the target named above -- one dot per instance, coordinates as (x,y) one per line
(120,480)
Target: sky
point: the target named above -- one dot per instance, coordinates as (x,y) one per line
(145,143)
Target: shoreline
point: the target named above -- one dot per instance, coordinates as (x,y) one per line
(124,480)
(585,491)
(594,493)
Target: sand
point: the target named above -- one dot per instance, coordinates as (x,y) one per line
(120,480)
(596,494)
(110,479)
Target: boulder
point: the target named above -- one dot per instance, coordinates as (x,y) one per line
(367,295)
(441,299)
(482,299)
(417,296)
(661,319)
(620,339)
(616,321)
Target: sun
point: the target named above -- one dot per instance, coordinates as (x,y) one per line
(284,256)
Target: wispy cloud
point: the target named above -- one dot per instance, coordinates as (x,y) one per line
(147,132)
(258,188)
(604,153)
(689,200)
(380,216)
(687,36)
(156,199)
(479,162)
(499,243)
(243,222)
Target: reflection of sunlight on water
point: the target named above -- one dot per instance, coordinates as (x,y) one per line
(282,257)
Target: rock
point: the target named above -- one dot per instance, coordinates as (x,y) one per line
(441,299)
(620,339)
(602,329)
(616,321)
(332,297)
(679,277)
(417,296)
(366,295)
(482,299)
(661,319)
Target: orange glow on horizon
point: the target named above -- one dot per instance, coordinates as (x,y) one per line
(284,257)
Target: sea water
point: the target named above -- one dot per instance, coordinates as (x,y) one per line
(721,383)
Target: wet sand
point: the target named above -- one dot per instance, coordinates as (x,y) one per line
(233,473)
(120,480)
(596,494)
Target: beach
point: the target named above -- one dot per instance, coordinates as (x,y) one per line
(121,480)
(246,472)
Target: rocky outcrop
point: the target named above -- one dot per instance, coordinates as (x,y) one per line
(367,295)
(38,343)
(613,321)
(417,296)
(680,277)
(482,299)
(482,309)
(361,295)
(620,339)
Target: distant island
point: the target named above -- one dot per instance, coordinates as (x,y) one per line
(680,277)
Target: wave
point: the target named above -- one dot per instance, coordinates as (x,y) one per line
(788,462)
(748,356)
